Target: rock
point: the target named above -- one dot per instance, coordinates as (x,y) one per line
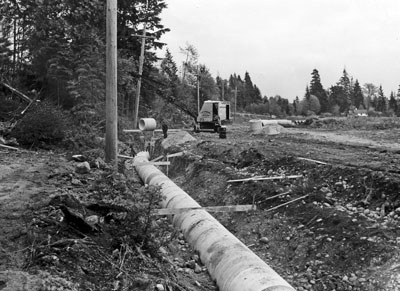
(75,181)
(163,251)
(82,168)
(99,163)
(92,219)
(160,287)
(197,269)
(176,139)
(191,264)
(196,258)
(264,240)
(79,158)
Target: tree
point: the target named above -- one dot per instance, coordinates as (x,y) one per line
(381,104)
(357,96)
(314,104)
(317,90)
(393,103)
(297,106)
(305,103)
(343,96)
(370,91)
(252,93)
(336,98)
(63,45)
(190,65)
(208,87)
(274,108)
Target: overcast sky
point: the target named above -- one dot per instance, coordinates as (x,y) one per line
(280,42)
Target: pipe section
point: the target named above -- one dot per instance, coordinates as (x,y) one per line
(147,124)
(230,263)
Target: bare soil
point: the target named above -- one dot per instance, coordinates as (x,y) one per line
(343,235)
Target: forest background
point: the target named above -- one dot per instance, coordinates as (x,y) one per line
(54,51)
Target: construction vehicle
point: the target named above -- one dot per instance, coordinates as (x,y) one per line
(212,115)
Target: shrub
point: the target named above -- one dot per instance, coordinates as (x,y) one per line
(43,125)
(9,108)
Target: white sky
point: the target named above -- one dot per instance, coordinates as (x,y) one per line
(280,42)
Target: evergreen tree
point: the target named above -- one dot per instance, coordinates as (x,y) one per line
(337,102)
(305,103)
(252,93)
(381,104)
(357,96)
(168,67)
(393,103)
(317,90)
(344,98)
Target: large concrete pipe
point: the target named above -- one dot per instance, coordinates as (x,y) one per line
(147,124)
(230,263)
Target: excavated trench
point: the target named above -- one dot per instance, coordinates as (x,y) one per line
(342,236)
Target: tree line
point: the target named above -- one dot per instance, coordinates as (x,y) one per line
(55,50)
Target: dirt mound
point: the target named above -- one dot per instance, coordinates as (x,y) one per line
(176,140)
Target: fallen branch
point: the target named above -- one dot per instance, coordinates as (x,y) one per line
(227,208)
(18,93)
(311,160)
(272,197)
(291,201)
(9,147)
(265,178)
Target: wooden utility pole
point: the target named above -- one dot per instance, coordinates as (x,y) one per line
(111,148)
(198,90)
(139,82)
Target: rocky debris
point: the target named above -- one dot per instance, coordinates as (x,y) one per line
(19,280)
(82,168)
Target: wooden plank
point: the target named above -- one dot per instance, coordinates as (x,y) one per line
(175,155)
(157,159)
(228,208)
(9,147)
(125,157)
(156,130)
(311,160)
(281,205)
(265,178)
